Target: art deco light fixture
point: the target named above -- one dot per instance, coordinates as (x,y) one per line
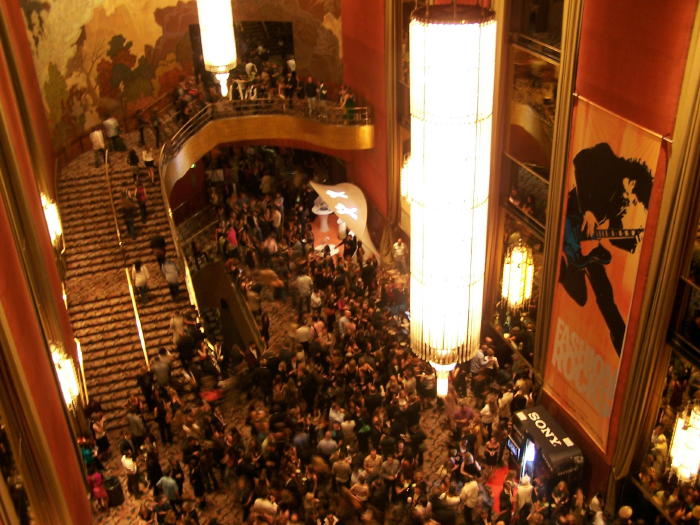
(685,445)
(218,42)
(67,377)
(53,220)
(452,61)
(518,275)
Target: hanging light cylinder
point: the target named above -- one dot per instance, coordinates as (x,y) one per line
(452,62)
(518,276)
(685,445)
(218,42)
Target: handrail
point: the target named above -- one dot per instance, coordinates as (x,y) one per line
(137,317)
(351,116)
(134,305)
(64,152)
(188,239)
(111,202)
(184,223)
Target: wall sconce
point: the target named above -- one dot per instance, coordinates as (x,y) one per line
(83,381)
(685,445)
(446,179)
(67,377)
(53,220)
(518,275)
(218,41)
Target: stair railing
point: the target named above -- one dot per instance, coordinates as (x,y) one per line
(332,115)
(130,284)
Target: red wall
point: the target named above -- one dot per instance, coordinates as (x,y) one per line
(18,306)
(632,55)
(363,71)
(32,154)
(35,150)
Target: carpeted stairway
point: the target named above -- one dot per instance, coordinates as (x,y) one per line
(98,296)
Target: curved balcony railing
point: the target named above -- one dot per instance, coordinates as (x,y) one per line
(352,116)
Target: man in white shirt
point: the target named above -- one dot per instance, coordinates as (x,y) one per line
(372,463)
(399,255)
(251,70)
(470,499)
(479,361)
(291,64)
(98,146)
(132,473)
(266,506)
(336,414)
(172,277)
(524,494)
(316,300)
(504,403)
(348,429)
(111,126)
(140,276)
(343,323)
(304,284)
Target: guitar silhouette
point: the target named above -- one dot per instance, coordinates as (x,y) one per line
(573,237)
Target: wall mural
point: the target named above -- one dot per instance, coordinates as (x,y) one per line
(118,56)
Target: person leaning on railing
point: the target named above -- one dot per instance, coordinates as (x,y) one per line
(347,102)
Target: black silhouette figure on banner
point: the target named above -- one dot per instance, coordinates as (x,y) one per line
(608,188)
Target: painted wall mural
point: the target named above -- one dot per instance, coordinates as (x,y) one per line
(117,56)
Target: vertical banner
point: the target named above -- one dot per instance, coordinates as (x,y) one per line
(609,180)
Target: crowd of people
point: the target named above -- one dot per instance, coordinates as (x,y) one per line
(334,430)
(681,501)
(260,76)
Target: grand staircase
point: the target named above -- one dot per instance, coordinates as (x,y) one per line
(99,301)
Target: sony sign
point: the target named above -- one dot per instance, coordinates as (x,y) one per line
(541,424)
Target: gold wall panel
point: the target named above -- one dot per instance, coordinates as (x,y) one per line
(265,127)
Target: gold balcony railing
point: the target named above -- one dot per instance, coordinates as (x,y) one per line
(334,128)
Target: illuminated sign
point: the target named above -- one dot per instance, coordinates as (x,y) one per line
(344,210)
(543,427)
(337,194)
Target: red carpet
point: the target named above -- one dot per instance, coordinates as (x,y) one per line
(496,484)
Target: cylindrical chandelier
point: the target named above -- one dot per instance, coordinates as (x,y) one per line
(218,42)
(452,61)
(518,275)
(685,445)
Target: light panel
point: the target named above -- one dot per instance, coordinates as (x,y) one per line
(518,276)
(218,41)
(53,219)
(452,58)
(685,446)
(67,377)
